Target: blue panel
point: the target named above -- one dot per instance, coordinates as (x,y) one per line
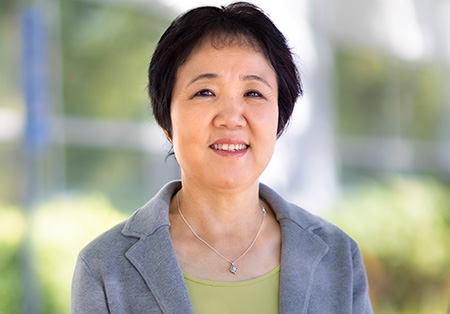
(35,76)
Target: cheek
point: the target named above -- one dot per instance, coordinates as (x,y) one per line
(270,120)
(184,125)
(186,132)
(176,117)
(276,116)
(272,126)
(176,130)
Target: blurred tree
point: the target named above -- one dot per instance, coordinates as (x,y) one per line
(380,96)
(118,174)
(402,226)
(106,50)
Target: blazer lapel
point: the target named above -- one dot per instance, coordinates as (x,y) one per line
(161,271)
(301,252)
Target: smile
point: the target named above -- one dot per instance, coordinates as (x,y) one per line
(229,147)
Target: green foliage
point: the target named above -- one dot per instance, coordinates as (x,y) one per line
(12,229)
(361,91)
(60,229)
(382,96)
(118,173)
(106,51)
(403,229)
(9,56)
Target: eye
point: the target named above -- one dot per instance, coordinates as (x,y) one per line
(204,93)
(253,93)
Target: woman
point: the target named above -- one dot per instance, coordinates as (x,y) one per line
(223,85)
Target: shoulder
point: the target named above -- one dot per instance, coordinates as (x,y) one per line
(143,222)
(111,246)
(332,235)
(107,247)
(294,218)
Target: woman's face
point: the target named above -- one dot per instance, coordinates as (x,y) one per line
(224,115)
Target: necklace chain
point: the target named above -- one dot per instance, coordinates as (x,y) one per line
(233,268)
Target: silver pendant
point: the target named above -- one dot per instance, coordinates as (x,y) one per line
(233,269)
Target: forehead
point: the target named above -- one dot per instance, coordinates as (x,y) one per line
(224,40)
(224,48)
(227,63)
(221,40)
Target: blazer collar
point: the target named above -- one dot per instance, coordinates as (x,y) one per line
(155,259)
(155,213)
(152,215)
(161,271)
(302,250)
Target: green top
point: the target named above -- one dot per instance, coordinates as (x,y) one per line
(258,295)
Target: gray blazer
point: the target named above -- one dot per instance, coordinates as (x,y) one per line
(132,268)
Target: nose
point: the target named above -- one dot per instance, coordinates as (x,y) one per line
(231,114)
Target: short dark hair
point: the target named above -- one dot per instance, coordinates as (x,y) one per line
(238,20)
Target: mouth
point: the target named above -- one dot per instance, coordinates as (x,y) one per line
(229,147)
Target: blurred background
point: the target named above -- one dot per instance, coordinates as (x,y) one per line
(368,146)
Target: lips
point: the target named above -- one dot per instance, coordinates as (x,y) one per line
(229,147)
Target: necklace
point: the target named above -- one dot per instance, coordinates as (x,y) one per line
(233,268)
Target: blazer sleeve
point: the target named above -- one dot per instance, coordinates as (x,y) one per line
(88,295)
(361,299)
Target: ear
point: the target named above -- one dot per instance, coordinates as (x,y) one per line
(167,135)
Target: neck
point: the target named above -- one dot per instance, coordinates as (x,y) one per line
(218,211)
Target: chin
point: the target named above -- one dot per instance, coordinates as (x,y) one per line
(236,182)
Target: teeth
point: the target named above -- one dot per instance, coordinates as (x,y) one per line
(229,147)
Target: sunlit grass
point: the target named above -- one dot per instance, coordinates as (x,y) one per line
(12,230)
(12,225)
(60,229)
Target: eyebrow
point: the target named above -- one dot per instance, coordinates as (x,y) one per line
(257,78)
(201,76)
(245,78)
